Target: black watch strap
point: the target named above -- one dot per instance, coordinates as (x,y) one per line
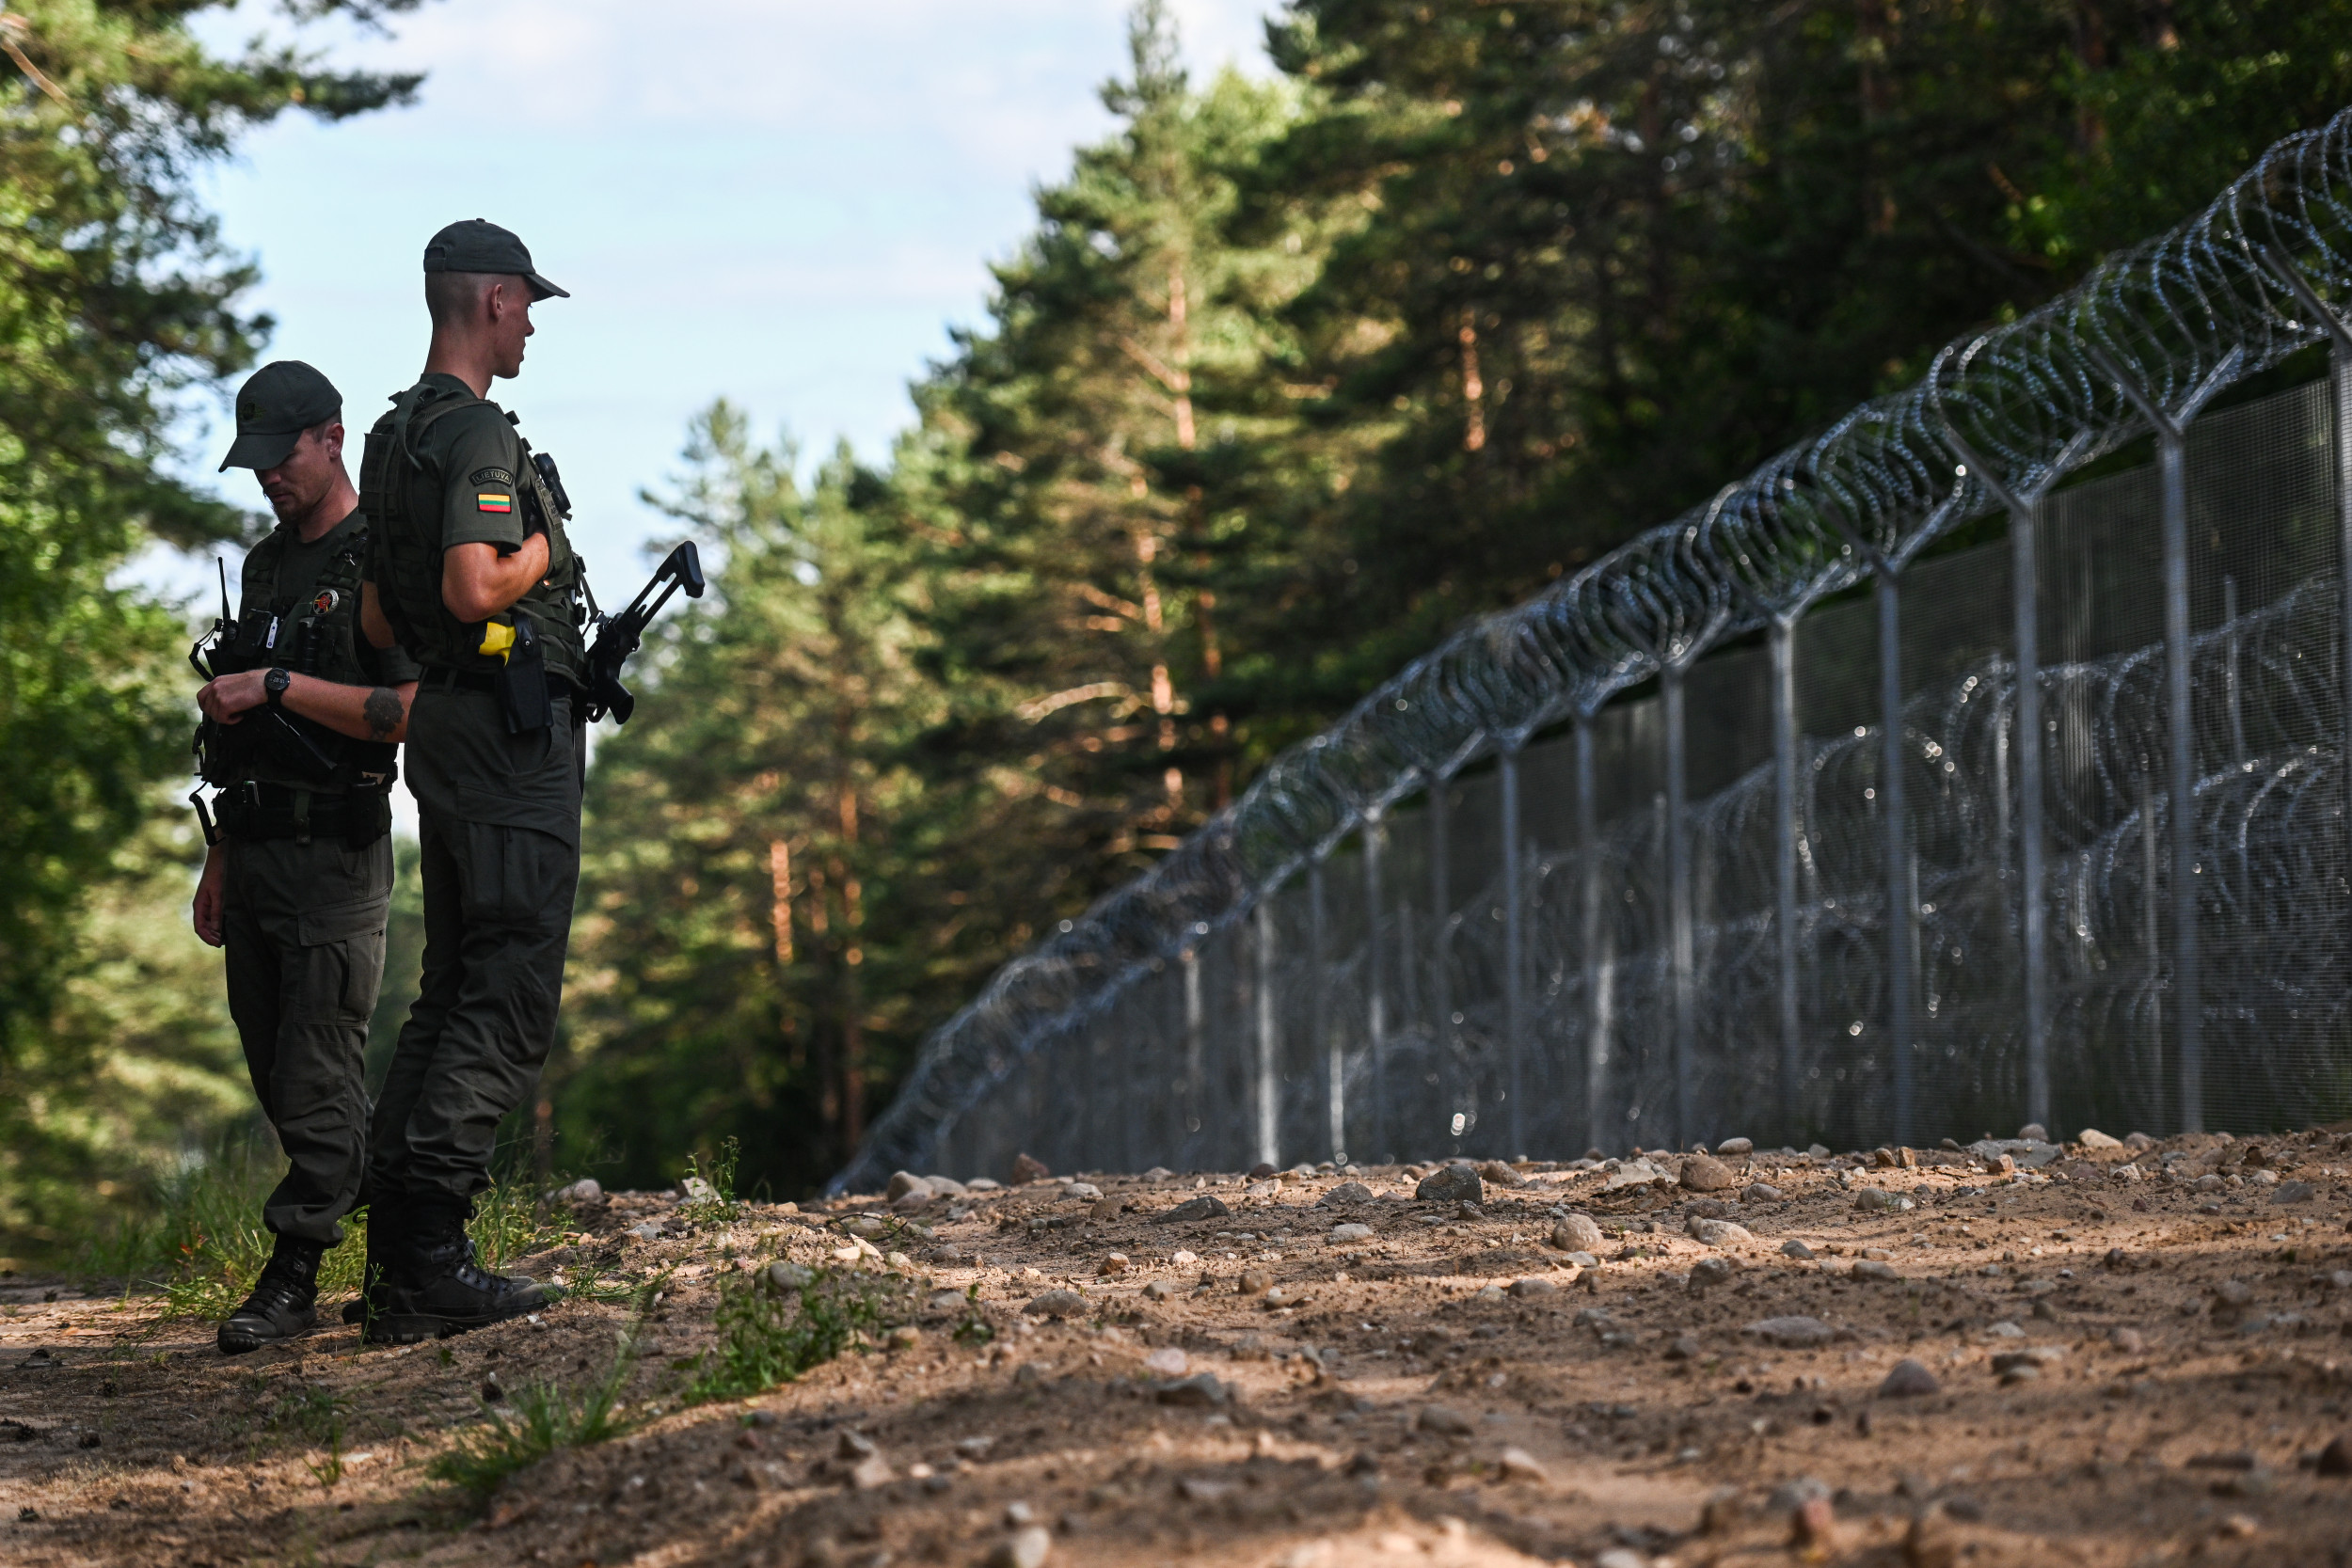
(274,683)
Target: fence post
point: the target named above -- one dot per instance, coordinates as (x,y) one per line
(1319,1033)
(1375,992)
(1194,1115)
(1903,906)
(1782,640)
(1514,967)
(1681,944)
(2339,382)
(1268,1105)
(2172,430)
(1595,1002)
(2025,516)
(1440,976)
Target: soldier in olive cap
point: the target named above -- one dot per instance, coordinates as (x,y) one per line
(301,722)
(473,572)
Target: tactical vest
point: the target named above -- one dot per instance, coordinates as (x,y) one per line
(318,637)
(403,500)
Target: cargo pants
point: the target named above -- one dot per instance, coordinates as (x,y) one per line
(304,929)
(499,831)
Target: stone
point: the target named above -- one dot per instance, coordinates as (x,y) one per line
(1345,1194)
(1056,1304)
(1703,1173)
(1615,1556)
(2137,1141)
(582,1193)
(1735,1148)
(1025,1548)
(1760,1192)
(2090,1137)
(2032,1355)
(1167,1361)
(1254,1281)
(906,1183)
(1201,1391)
(1634,1173)
(1708,1273)
(1104,1210)
(1720,1232)
(1261,1170)
(1577,1233)
(1875,1200)
(1794,1249)
(1682,1348)
(1519,1464)
(646,1230)
(1468,1211)
(784,1278)
(1532,1287)
(1456,1183)
(1871,1269)
(2293,1191)
(1028,1168)
(1931,1542)
(2129,1341)
(871,1472)
(946,1186)
(1085,1191)
(1159,1289)
(1342,1234)
(1500,1173)
(1793,1333)
(2033,1132)
(1907,1380)
(1113,1264)
(1192,1209)
(1158,1173)
(2336,1458)
(1444,1420)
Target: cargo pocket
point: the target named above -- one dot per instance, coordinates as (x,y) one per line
(355,972)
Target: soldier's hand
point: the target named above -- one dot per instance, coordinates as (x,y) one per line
(207,914)
(230,696)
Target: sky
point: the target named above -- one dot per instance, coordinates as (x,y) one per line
(785,203)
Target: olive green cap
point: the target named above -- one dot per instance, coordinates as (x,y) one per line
(276,404)
(479,245)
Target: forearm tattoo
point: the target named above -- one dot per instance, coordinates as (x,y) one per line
(382,712)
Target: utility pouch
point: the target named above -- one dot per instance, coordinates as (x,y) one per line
(367,816)
(522,681)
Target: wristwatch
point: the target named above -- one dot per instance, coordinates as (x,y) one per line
(275,682)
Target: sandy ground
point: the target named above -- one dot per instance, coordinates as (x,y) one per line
(2126,1355)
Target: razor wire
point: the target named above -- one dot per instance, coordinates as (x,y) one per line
(2149,337)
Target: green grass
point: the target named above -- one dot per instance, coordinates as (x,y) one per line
(710,1194)
(768,1336)
(201,1244)
(547,1416)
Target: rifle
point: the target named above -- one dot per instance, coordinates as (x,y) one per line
(618,636)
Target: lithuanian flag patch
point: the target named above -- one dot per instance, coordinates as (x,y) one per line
(485,501)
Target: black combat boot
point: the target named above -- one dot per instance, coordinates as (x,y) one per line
(384,1242)
(284,1303)
(438,1289)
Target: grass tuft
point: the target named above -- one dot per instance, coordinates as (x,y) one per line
(710,1194)
(546,1417)
(769,1335)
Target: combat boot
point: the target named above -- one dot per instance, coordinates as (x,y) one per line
(438,1289)
(284,1303)
(383,1244)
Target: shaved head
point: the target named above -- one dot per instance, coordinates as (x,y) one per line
(455,299)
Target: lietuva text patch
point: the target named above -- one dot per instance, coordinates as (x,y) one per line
(491,476)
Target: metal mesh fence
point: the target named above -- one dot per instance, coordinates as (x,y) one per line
(1789,818)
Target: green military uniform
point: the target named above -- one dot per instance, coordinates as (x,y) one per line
(309,873)
(498,787)
(499,809)
(309,885)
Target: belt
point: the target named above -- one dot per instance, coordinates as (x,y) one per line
(269,811)
(443,677)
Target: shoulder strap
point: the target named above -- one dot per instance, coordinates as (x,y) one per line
(415,411)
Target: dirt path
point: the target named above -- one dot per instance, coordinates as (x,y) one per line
(2126,1371)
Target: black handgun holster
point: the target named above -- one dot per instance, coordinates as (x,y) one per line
(522,682)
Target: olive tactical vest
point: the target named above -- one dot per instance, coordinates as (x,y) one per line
(402,495)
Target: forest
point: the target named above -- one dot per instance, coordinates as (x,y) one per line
(1294,371)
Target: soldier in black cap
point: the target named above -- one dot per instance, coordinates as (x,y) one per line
(473,572)
(301,723)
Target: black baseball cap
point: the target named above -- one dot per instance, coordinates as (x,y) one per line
(479,245)
(276,404)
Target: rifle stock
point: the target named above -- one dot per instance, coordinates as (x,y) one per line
(618,636)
